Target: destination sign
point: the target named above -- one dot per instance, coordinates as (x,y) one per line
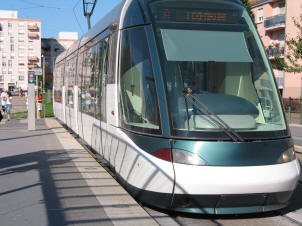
(197,15)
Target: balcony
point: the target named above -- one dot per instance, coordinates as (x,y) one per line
(272,51)
(274,23)
(33,58)
(33,27)
(33,35)
(31,65)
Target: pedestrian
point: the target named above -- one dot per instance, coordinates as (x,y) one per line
(8,105)
(39,102)
(20,92)
(3,100)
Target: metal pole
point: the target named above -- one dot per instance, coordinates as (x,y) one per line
(88,21)
(86,11)
(31,107)
(300,110)
(43,72)
(289,109)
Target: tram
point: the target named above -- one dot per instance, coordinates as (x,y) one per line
(179,98)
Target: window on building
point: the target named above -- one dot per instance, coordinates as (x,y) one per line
(10,63)
(1,47)
(30,47)
(10,71)
(21,24)
(21,63)
(21,55)
(21,32)
(21,78)
(3,64)
(12,47)
(21,70)
(1,39)
(10,24)
(21,47)
(12,55)
(260,15)
(21,40)
(1,78)
(3,55)
(11,39)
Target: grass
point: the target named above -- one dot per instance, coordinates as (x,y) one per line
(47,110)
(19,115)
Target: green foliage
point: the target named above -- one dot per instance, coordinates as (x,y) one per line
(48,77)
(248,6)
(47,109)
(293,56)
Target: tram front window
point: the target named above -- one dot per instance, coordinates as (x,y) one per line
(212,51)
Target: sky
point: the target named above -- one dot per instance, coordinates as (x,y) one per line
(59,15)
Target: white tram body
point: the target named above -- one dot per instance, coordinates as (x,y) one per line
(169,93)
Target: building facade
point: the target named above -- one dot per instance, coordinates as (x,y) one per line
(20,49)
(51,47)
(274,20)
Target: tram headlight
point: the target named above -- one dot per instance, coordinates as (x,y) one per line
(287,156)
(185,157)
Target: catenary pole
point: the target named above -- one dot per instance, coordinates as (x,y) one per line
(88,12)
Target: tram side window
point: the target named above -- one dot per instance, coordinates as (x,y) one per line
(55,83)
(138,94)
(88,94)
(112,58)
(80,80)
(101,79)
(66,82)
(58,83)
(70,81)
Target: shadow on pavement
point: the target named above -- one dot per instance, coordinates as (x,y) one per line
(66,196)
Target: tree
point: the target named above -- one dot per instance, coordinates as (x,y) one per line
(248,7)
(292,61)
(48,77)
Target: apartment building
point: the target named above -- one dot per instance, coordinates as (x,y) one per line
(274,23)
(20,49)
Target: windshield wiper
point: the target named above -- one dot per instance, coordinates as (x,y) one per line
(214,117)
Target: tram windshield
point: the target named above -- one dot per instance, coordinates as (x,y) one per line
(211,49)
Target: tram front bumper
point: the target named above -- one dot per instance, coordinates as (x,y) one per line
(234,190)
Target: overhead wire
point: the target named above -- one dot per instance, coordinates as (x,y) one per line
(37,5)
(73,10)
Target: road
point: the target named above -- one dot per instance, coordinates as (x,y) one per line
(296,131)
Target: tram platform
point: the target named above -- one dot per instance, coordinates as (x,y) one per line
(48,178)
